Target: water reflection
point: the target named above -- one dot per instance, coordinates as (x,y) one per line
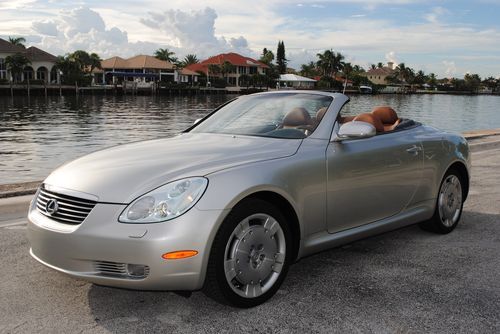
(39,133)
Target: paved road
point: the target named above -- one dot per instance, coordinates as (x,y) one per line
(407,281)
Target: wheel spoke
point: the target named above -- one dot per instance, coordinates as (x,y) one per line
(253,290)
(277,267)
(242,228)
(271,225)
(229,268)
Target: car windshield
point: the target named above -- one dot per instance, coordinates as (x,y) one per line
(281,115)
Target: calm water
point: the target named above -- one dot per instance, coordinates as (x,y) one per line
(38,134)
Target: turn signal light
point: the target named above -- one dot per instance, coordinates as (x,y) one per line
(179,254)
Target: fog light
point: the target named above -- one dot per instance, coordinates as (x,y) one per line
(136,270)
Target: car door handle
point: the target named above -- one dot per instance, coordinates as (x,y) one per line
(414,149)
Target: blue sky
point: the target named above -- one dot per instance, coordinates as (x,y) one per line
(449,38)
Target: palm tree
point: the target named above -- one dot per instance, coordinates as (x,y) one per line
(165,54)
(16,64)
(380,65)
(227,68)
(95,61)
(189,60)
(19,41)
(330,62)
(308,70)
(373,66)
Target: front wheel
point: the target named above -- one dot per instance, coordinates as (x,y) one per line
(250,255)
(449,205)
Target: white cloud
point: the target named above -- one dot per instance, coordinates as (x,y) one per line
(450,68)
(391,57)
(84,29)
(436,14)
(194,32)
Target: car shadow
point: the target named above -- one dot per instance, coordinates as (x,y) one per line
(377,272)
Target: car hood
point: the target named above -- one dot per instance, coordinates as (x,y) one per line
(122,173)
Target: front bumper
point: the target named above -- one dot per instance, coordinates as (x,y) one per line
(77,249)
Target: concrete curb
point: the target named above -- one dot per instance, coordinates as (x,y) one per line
(478,141)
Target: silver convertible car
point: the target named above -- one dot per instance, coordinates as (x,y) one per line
(229,204)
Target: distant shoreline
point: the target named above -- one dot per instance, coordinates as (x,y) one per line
(37,90)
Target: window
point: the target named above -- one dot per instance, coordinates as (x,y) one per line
(3,69)
(242,70)
(253,70)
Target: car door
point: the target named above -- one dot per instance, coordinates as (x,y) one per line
(372,178)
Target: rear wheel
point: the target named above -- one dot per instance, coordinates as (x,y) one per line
(250,255)
(449,205)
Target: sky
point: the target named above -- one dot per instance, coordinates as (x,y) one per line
(445,37)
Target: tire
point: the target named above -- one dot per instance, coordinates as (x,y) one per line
(250,255)
(449,204)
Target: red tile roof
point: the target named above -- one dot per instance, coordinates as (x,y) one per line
(233,58)
(380,71)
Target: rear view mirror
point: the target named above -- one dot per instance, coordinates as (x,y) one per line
(356,130)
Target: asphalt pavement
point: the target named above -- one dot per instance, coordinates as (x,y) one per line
(405,281)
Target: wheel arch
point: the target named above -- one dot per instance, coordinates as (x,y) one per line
(287,210)
(460,167)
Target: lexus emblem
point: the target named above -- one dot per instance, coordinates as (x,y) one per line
(52,206)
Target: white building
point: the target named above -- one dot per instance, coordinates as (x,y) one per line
(42,65)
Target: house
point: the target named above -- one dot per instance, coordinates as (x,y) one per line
(379,76)
(42,67)
(242,66)
(141,69)
(296,81)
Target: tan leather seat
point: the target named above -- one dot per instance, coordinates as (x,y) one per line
(345,119)
(372,119)
(297,118)
(387,116)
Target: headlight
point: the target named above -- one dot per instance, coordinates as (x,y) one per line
(166,202)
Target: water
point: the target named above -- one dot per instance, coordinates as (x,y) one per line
(39,134)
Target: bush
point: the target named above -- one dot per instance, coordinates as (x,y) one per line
(4,82)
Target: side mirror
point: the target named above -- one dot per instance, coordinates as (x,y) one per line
(197,120)
(356,130)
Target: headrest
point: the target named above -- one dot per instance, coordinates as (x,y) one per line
(296,117)
(320,113)
(386,114)
(372,119)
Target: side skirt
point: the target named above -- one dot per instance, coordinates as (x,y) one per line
(324,240)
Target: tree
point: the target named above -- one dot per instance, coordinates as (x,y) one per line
(245,80)
(16,64)
(189,60)
(380,65)
(472,82)
(308,70)
(19,41)
(432,80)
(330,62)
(373,66)
(94,61)
(281,60)
(165,54)
(227,68)
(267,56)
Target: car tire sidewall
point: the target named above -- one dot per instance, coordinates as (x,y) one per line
(435,224)
(217,256)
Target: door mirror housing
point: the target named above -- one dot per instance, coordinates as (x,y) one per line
(196,121)
(356,130)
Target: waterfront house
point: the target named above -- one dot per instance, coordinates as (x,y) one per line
(242,66)
(296,81)
(42,67)
(379,76)
(140,68)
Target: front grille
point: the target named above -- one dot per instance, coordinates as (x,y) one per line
(63,208)
(121,270)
